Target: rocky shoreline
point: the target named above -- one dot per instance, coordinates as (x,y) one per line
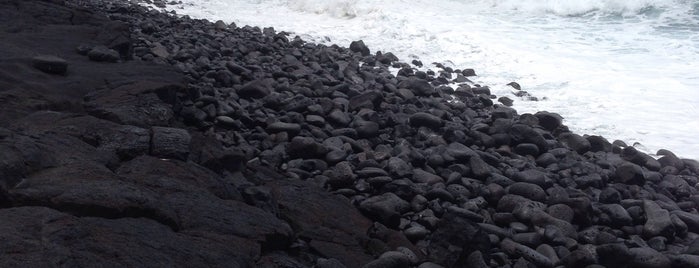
(134,138)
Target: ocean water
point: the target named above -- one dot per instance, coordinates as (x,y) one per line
(624,69)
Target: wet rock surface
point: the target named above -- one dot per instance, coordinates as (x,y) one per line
(164,141)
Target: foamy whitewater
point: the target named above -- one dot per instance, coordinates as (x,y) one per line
(623,69)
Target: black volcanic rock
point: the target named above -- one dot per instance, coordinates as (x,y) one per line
(549,121)
(50,64)
(418,86)
(426,120)
(386,208)
(102,53)
(360,47)
(204,144)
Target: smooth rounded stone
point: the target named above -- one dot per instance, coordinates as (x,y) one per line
(575,142)
(339,118)
(50,64)
(422,119)
(103,54)
(658,221)
(550,121)
(628,203)
(495,230)
(479,168)
(542,219)
(329,263)
(532,176)
(359,47)
(617,215)
(378,182)
(315,120)
(418,86)
(366,129)
(335,156)
(557,194)
(226,121)
(418,203)
(670,159)
(607,237)
(170,143)
(290,128)
(680,227)
(527,190)
(531,239)
(513,248)
(521,133)
(506,101)
(689,219)
(460,151)
(599,144)
(465,213)
(422,176)
(630,173)
(369,172)
(416,233)
(493,192)
(609,195)
(590,180)
(439,193)
(334,143)
(494,239)
(527,149)
(503,218)
(366,100)
(429,265)
(386,208)
(518,227)
(405,94)
(500,111)
(390,259)
(546,159)
(398,167)
(561,211)
(644,257)
(430,222)
(256,89)
(676,185)
(305,148)
(549,252)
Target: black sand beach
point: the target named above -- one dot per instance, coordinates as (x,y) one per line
(135,138)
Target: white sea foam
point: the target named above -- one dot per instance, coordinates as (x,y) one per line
(624,69)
